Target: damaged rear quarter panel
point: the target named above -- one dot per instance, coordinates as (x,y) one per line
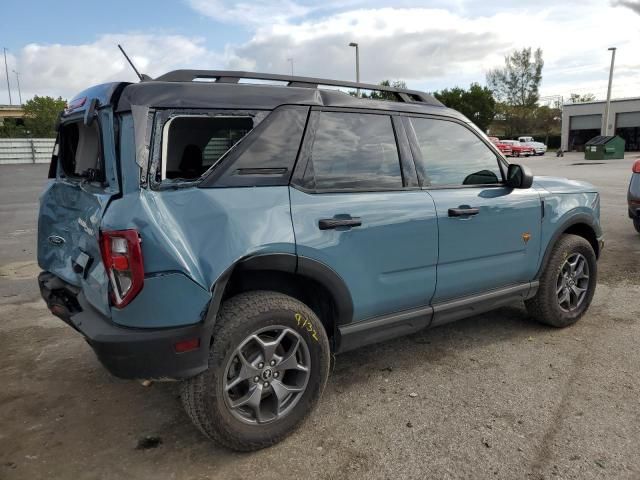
(196,233)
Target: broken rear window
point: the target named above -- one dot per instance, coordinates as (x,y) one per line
(79,151)
(192,144)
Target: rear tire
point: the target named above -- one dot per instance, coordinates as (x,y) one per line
(255,392)
(551,305)
(636,223)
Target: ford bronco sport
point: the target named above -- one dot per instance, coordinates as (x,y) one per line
(197,227)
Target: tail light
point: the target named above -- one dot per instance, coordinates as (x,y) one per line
(636,167)
(122,257)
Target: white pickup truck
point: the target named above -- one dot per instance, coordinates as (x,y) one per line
(539,147)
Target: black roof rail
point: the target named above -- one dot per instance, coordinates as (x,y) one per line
(228,76)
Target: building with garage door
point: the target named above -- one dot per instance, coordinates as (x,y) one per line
(583,121)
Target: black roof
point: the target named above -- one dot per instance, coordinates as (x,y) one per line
(222,89)
(601,140)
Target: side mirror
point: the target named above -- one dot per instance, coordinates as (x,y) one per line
(519,176)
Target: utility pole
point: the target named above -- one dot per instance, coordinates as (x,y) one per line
(18,82)
(605,126)
(353,44)
(291,60)
(6,71)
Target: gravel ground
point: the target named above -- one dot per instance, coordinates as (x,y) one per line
(496,396)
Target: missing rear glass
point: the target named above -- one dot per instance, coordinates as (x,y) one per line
(79,151)
(193,144)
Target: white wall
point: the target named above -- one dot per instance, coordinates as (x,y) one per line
(26,150)
(595,108)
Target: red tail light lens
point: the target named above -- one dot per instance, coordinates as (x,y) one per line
(122,257)
(636,167)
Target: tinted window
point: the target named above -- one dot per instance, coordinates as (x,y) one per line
(453,155)
(353,150)
(268,154)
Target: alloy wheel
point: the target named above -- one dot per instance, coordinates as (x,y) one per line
(267,375)
(573,282)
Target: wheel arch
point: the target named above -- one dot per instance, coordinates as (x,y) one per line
(308,280)
(581,225)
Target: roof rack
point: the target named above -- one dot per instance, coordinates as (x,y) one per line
(227,76)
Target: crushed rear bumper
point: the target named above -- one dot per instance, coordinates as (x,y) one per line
(131,353)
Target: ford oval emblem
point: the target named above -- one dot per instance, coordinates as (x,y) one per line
(56,240)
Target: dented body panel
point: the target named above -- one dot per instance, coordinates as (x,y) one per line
(199,233)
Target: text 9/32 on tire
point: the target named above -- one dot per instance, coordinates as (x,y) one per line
(268,366)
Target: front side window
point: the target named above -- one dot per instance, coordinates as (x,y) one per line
(453,155)
(355,151)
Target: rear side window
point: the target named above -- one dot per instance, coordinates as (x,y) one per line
(192,144)
(79,151)
(453,155)
(354,151)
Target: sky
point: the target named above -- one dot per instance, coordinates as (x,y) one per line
(60,48)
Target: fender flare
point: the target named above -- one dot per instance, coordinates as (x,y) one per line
(293,264)
(579,218)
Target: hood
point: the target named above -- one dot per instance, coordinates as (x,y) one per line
(562,185)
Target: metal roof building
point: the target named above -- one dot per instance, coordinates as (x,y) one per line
(583,121)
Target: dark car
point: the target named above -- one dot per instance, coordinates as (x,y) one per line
(633,197)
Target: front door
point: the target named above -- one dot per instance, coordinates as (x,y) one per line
(357,210)
(489,233)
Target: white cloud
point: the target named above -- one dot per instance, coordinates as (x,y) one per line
(430,48)
(250,11)
(63,70)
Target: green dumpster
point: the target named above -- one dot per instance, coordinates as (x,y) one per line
(604,148)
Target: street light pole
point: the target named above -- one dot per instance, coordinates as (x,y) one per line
(353,44)
(605,127)
(291,60)
(6,71)
(18,82)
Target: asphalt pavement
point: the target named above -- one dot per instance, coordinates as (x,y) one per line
(493,396)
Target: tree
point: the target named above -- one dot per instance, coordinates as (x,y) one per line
(12,128)
(577,98)
(41,114)
(548,120)
(516,87)
(381,95)
(375,95)
(518,82)
(477,103)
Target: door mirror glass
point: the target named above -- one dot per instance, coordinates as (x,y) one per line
(519,176)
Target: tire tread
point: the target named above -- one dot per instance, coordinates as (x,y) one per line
(233,314)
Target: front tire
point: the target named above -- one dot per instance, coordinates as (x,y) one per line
(268,366)
(636,224)
(567,283)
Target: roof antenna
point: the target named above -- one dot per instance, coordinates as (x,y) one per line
(140,76)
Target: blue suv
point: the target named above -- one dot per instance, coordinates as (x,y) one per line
(233,235)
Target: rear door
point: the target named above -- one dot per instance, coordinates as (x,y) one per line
(73,203)
(489,232)
(357,208)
